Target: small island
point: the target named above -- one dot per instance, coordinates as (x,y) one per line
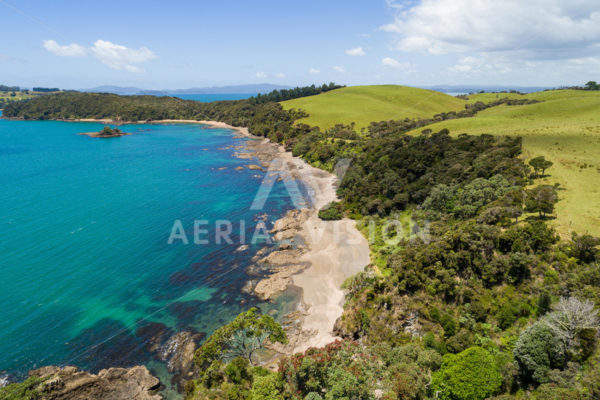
(106,132)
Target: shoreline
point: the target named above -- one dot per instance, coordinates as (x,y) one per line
(331,251)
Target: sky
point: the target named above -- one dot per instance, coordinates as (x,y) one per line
(74,44)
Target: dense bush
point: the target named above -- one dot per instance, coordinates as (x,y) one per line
(331,212)
(470,375)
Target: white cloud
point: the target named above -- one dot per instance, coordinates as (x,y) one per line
(70,50)
(467,64)
(534,29)
(390,62)
(261,75)
(475,65)
(120,57)
(314,71)
(280,75)
(356,52)
(393,63)
(340,69)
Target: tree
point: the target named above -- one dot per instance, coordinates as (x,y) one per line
(540,164)
(592,85)
(541,199)
(242,337)
(584,247)
(470,375)
(571,317)
(537,351)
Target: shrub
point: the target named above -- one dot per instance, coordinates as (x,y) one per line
(537,351)
(237,370)
(266,388)
(470,375)
(26,390)
(313,396)
(331,212)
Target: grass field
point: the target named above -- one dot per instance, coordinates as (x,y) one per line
(364,104)
(565,128)
(19,96)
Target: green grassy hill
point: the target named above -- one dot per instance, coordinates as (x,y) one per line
(364,104)
(565,128)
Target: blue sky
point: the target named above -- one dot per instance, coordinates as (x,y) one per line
(181,44)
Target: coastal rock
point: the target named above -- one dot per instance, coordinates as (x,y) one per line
(292,220)
(244,155)
(152,335)
(276,283)
(178,353)
(282,257)
(114,383)
(243,247)
(107,132)
(259,254)
(254,167)
(3,380)
(292,325)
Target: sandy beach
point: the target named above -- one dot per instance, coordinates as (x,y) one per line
(333,250)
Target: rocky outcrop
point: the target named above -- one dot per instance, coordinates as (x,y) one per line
(280,264)
(276,283)
(175,349)
(178,353)
(290,224)
(110,384)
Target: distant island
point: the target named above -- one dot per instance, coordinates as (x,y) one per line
(106,132)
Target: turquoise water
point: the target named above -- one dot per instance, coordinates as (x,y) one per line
(85,265)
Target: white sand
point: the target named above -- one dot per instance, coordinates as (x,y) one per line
(337,250)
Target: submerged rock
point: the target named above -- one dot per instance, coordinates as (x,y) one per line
(178,353)
(113,383)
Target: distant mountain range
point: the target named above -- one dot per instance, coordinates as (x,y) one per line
(237,89)
(487,88)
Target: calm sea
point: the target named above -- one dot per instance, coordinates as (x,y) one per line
(207,98)
(85,265)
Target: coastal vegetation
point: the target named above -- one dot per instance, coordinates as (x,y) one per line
(493,301)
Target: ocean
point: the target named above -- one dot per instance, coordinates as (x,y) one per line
(207,98)
(86,267)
